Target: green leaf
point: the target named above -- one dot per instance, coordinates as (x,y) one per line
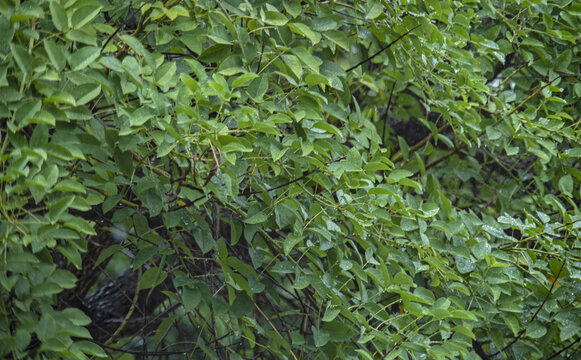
(165,73)
(464,331)
(204,240)
(290,242)
(258,87)
(535,330)
(511,320)
(365,354)
(80,225)
(403,279)
(328,128)
(566,184)
(242,305)
(144,255)
(86,92)
(374,10)
(215,53)
(275,18)
(76,316)
(564,60)
(242,79)
(338,37)
(191,298)
(140,116)
(72,255)
(353,161)
(192,42)
(284,267)
(59,16)
(311,61)
(293,7)
(27,11)
(85,35)
(55,54)
(22,57)
(316,79)
(84,57)
(304,30)
(321,337)
(56,209)
(27,110)
(256,218)
(398,174)
(294,64)
(61,97)
(493,231)
(331,313)
(529,41)
(107,253)
(89,348)
(151,278)
(45,289)
(83,15)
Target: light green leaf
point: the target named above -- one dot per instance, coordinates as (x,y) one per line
(59,16)
(258,87)
(536,330)
(375,9)
(290,242)
(80,225)
(566,184)
(56,209)
(22,57)
(304,30)
(86,93)
(331,313)
(494,231)
(165,74)
(293,7)
(338,37)
(60,97)
(316,79)
(399,174)
(275,18)
(256,218)
(84,57)
(294,64)
(323,125)
(242,79)
(84,15)
(353,162)
(55,54)
(311,61)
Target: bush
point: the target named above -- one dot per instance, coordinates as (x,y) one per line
(290,179)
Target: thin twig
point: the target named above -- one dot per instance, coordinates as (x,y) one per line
(382,50)
(387,111)
(520,334)
(131,309)
(261,52)
(273,327)
(297,179)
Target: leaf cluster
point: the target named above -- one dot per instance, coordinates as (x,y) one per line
(290,179)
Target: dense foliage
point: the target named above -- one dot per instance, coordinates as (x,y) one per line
(290,179)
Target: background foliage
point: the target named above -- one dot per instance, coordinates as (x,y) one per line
(290,179)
